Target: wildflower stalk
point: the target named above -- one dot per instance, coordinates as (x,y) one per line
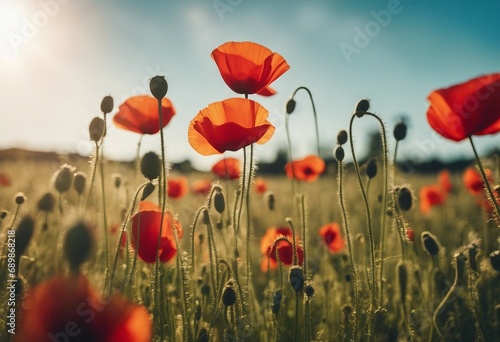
(93,173)
(290,156)
(348,235)
(248,214)
(104,217)
(314,113)
(491,196)
(305,231)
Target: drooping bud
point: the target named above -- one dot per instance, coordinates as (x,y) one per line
(63,178)
(46,202)
(219,202)
(371,169)
(107,104)
(229,295)
(339,153)
(97,129)
(158,86)
(19,198)
(77,245)
(24,233)
(148,190)
(362,106)
(79,182)
(296,278)
(290,106)
(430,243)
(404,199)
(495,260)
(151,165)
(400,131)
(342,137)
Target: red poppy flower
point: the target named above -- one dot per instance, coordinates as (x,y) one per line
(146,228)
(202,186)
(227,168)
(430,196)
(410,234)
(140,114)
(307,169)
(177,188)
(473,180)
(444,181)
(330,233)
(285,250)
(64,309)
(248,68)
(260,185)
(229,125)
(470,108)
(5,180)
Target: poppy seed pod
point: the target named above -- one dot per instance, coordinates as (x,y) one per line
(404,199)
(371,169)
(158,86)
(151,165)
(148,190)
(107,104)
(290,106)
(228,296)
(118,179)
(347,309)
(362,106)
(309,290)
(430,243)
(400,131)
(402,273)
(339,153)
(219,202)
(97,130)
(46,202)
(495,260)
(271,200)
(24,233)
(63,178)
(19,198)
(3,214)
(342,137)
(77,245)
(296,278)
(79,181)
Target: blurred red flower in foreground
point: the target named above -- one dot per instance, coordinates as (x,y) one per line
(260,185)
(146,229)
(249,68)
(177,187)
(68,309)
(229,125)
(330,233)
(5,180)
(285,250)
(201,186)
(466,109)
(473,180)
(444,181)
(140,114)
(227,168)
(430,196)
(307,169)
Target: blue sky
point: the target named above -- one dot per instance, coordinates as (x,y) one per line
(60,57)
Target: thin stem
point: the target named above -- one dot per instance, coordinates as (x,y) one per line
(92,177)
(104,217)
(304,232)
(290,156)
(314,113)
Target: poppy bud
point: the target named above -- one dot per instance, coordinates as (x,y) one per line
(362,106)
(202,335)
(63,178)
(24,233)
(296,278)
(19,198)
(206,217)
(404,198)
(118,179)
(430,243)
(271,200)
(371,169)
(151,166)
(400,131)
(342,137)
(77,245)
(290,106)
(339,153)
(402,273)
(3,214)
(97,130)
(47,202)
(347,309)
(276,305)
(107,104)
(201,238)
(148,190)
(228,296)
(79,181)
(158,86)
(309,290)
(495,260)
(219,202)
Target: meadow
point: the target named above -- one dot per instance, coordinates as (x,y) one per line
(96,250)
